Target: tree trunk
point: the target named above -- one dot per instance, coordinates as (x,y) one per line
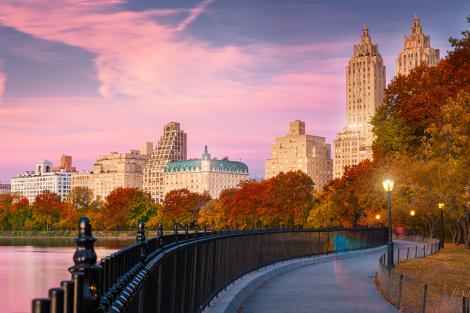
(466,225)
(454,231)
(432,226)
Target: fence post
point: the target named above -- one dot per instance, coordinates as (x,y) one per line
(400,287)
(327,242)
(175,232)
(85,272)
(67,285)
(425,298)
(160,235)
(41,305)
(57,300)
(141,241)
(186,232)
(465,306)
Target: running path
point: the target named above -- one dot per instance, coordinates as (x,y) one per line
(342,285)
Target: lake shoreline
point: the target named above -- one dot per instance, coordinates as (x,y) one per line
(66,234)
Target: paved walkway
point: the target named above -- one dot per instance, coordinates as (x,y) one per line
(342,285)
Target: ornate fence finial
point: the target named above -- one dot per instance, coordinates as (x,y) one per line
(175,232)
(140,232)
(85,262)
(196,232)
(186,232)
(85,255)
(205,231)
(141,241)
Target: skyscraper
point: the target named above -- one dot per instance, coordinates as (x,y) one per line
(365,86)
(416,50)
(299,151)
(172,146)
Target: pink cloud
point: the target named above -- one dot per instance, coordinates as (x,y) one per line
(138,57)
(236,99)
(135,56)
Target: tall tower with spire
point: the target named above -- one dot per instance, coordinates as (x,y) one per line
(365,86)
(416,51)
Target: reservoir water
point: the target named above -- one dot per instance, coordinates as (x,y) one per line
(30,267)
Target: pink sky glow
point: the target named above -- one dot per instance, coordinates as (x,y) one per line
(234,97)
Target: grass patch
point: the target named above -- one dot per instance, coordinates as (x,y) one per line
(448,269)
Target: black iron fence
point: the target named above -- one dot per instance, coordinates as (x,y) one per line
(411,295)
(182,272)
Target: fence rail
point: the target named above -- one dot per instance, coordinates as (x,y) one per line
(182,272)
(411,295)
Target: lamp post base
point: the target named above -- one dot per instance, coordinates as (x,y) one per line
(390,262)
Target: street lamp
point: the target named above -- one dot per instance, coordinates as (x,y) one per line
(441,206)
(388,186)
(412,213)
(377,217)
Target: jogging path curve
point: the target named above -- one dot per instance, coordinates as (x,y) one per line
(340,283)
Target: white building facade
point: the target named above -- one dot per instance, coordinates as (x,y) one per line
(172,146)
(112,171)
(365,88)
(31,184)
(5,189)
(416,50)
(298,151)
(204,175)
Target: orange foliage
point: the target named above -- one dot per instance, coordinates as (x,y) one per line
(181,207)
(283,200)
(117,208)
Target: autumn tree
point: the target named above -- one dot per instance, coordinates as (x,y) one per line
(281,201)
(81,198)
(414,102)
(125,207)
(181,207)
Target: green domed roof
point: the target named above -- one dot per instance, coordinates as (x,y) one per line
(176,166)
(215,165)
(228,166)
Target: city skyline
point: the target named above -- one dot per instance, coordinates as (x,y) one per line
(237,78)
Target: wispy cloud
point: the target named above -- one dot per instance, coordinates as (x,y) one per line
(135,55)
(194,14)
(165,75)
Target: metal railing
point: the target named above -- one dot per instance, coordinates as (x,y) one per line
(182,272)
(411,295)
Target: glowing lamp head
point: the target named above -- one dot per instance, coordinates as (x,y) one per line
(388,184)
(377,217)
(441,205)
(412,212)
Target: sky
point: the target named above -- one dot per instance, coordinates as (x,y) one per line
(87,77)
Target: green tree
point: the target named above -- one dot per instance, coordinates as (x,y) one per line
(81,198)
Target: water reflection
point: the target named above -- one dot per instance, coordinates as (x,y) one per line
(109,243)
(29,267)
